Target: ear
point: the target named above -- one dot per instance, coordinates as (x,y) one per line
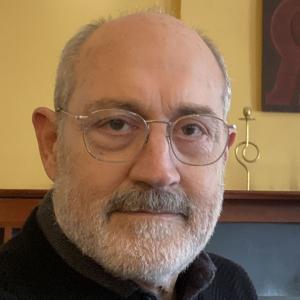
(44,122)
(231,140)
(232,136)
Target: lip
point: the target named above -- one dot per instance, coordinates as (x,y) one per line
(151,214)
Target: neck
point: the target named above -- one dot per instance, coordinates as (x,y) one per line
(163,292)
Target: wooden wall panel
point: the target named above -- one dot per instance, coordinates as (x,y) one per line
(239,206)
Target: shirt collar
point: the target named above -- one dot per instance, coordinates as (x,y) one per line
(196,278)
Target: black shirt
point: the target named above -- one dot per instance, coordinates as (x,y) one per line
(33,266)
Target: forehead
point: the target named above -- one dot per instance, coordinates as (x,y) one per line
(151,59)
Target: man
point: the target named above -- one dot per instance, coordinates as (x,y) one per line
(136,149)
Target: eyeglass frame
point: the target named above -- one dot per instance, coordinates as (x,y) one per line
(230,128)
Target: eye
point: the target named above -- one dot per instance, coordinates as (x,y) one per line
(117,125)
(114,125)
(192,129)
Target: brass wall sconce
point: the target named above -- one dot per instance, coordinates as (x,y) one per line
(246,146)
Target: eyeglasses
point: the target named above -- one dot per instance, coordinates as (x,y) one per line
(116,135)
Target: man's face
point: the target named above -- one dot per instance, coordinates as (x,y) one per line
(157,67)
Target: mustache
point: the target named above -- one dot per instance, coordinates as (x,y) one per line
(151,200)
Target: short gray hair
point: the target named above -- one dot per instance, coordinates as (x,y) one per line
(65,77)
(220,60)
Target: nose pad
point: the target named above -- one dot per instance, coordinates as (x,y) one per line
(168,128)
(155,165)
(147,138)
(168,135)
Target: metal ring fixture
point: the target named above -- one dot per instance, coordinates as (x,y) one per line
(246,146)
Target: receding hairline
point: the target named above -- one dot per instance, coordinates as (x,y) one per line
(66,81)
(112,31)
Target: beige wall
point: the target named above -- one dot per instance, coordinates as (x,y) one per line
(236,27)
(33,32)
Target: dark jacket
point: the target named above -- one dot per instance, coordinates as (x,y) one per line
(31,269)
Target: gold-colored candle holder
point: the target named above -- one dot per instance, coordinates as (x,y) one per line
(246,146)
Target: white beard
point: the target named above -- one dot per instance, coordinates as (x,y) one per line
(150,251)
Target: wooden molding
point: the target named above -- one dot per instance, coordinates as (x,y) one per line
(21,194)
(261,207)
(239,206)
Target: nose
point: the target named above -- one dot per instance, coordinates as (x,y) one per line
(155,164)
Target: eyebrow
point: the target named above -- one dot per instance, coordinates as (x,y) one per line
(135,106)
(107,103)
(194,109)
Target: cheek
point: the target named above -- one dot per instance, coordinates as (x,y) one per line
(100,177)
(204,180)
(91,175)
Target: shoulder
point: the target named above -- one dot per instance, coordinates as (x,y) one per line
(18,257)
(6,296)
(225,265)
(231,280)
(14,254)
(26,261)
(31,269)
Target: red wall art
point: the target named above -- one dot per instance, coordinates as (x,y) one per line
(281,56)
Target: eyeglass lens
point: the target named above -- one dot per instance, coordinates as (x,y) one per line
(117,136)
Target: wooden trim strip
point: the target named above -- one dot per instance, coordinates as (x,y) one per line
(22,193)
(229,194)
(262,195)
(261,211)
(239,206)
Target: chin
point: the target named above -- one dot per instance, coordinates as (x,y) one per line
(146,249)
